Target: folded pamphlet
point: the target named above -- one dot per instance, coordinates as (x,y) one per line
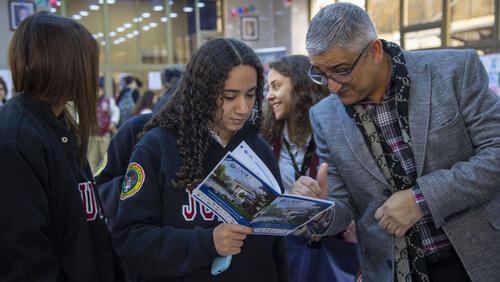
(241,189)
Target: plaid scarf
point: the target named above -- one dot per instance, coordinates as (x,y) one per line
(409,260)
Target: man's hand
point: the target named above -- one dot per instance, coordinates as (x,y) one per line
(398,213)
(308,187)
(228,238)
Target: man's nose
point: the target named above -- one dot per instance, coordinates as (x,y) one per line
(334,86)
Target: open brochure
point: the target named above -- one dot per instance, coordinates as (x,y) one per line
(241,189)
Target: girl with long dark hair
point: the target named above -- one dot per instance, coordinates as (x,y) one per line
(53,226)
(161,232)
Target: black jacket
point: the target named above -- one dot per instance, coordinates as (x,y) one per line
(165,235)
(52,225)
(109,174)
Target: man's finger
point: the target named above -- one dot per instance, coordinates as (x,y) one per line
(323,179)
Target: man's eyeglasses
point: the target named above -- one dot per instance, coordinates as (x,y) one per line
(340,77)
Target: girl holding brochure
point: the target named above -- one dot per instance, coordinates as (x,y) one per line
(286,127)
(161,232)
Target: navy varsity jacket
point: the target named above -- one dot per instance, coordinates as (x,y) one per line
(164,234)
(53,228)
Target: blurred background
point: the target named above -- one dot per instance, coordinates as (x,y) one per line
(140,37)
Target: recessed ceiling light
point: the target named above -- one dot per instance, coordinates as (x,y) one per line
(94,7)
(173,15)
(53,10)
(135,32)
(153,24)
(112,33)
(130,35)
(77,17)
(145,28)
(158,8)
(187,9)
(163,19)
(201,4)
(103,43)
(146,15)
(84,13)
(127,25)
(120,29)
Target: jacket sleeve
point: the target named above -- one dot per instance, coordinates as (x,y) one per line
(342,212)
(109,176)
(468,183)
(27,254)
(142,241)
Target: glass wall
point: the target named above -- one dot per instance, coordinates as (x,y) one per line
(431,24)
(385,15)
(136,36)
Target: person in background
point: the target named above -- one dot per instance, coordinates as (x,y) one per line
(127,98)
(146,103)
(286,119)
(171,77)
(3,92)
(138,82)
(411,140)
(108,117)
(160,232)
(286,127)
(113,165)
(54,226)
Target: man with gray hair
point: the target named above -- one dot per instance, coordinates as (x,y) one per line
(411,142)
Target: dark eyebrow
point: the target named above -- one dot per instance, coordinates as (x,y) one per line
(252,89)
(232,90)
(335,67)
(238,91)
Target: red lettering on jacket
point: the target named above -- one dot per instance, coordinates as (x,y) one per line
(90,206)
(190,210)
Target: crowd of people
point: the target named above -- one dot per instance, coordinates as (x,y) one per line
(406,144)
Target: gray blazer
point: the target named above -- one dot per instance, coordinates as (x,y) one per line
(455,130)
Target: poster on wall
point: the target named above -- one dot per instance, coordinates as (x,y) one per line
(154,80)
(249,28)
(491,63)
(18,10)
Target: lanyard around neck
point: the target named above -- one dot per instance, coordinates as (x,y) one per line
(307,158)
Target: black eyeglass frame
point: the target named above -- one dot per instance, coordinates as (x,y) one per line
(325,78)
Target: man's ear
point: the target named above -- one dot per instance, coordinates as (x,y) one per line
(376,51)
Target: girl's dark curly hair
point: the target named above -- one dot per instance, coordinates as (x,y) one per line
(192,109)
(305,94)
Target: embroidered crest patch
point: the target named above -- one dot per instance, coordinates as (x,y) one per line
(101,165)
(134,178)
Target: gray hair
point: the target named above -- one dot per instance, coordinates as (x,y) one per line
(341,24)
